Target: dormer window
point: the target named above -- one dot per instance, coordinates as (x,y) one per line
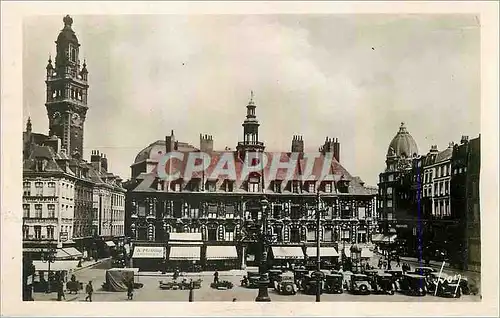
(277,186)
(177,186)
(254,184)
(328,187)
(295,186)
(229,185)
(211,186)
(311,187)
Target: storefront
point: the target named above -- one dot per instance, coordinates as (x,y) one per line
(329,256)
(59,269)
(148,258)
(221,257)
(185,258)
(281,255)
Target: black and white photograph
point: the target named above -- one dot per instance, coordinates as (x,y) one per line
(250,157)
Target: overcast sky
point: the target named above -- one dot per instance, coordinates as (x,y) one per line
(351,77)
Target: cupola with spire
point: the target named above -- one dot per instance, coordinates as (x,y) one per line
(250,130)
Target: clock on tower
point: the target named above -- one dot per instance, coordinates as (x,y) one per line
(67,89)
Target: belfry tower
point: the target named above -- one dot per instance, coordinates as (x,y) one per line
(251,125)
(67,92)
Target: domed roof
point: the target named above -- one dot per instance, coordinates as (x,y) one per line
(154,151)
(67,34)
(402,144)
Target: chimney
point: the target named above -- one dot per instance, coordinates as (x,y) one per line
(104,163)
(297,144)
(54,143)
(170,142)
(464,140)
(206,143)
(336,150)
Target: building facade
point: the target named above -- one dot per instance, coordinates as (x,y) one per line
(59,185)
(224,210)
(423,200)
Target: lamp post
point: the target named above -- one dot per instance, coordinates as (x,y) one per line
(49,257)
(263,295)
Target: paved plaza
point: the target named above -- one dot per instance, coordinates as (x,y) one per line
(151,291)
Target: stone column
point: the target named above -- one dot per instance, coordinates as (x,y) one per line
(243,257)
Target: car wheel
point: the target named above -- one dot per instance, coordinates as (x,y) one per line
(391,292)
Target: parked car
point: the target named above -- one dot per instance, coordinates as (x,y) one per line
(397,275)
(413,285)
(180,284)
(286,286)
(310,285)
(334,283)
(424,271)
(299,274)
(222,285)
(383,284)
(252,280)
(274,276)
(359,284)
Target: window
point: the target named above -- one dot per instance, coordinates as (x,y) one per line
(38,188)
(277,186)
(212,211)
(38,232)
(26,231)
(229,186)
(26,210)
(311,235)
(211,186)
(253,184)
(389,203)
(295,211)
(361,212)
(328,187)
(212,234)
(328,235)
(345,235)
(295,186)
(194,212)
(295,235)
(229,235)
(50,232)
(229,211)
(177,187)
(26,189)
(141,209)
(277,211)
(38,211)
(390,178)
(311,187)
(389,191)
(52,210)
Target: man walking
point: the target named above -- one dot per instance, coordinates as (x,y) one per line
(89,290)
(216,277)
(130,290)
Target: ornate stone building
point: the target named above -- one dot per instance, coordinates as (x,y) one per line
(58,184)
(224,210)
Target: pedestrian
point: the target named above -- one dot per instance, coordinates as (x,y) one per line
(60,290)
(130,290)
(216,277)
(234,300)
(379,263)
(89,290)
(176,274)
(398,261)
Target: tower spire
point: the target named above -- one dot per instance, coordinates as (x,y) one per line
(28,125)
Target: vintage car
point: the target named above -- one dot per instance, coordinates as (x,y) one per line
(309,285)
(251,281)
(359,284)
(370,272)
(299,274)
(334,283)
(382,283)
(286,286)
(274,276)
(181,284)
(425,271)
(413,285)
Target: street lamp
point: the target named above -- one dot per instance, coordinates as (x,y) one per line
(263,295)
(49,257)
(319,275)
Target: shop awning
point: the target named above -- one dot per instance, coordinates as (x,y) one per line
(110,243)
(188,253)
(69,252)
(149,252)
(287,252)
(56,266)
(366,253)
(221,252)
(323,252)
(377,238)
(389,238)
